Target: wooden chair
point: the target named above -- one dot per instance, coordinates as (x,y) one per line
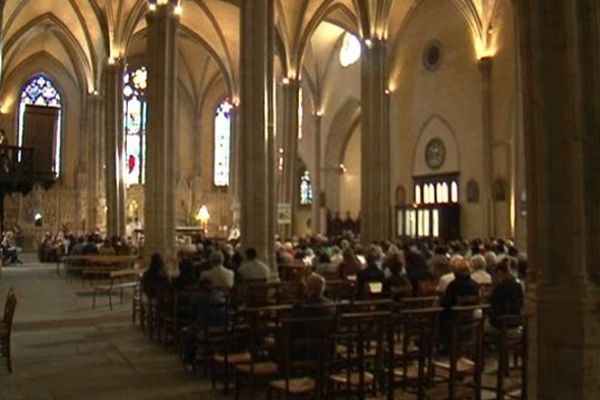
(138,307)
(6,327)
(511,340)
(358,364)
(411,350)
(302,358)
(466,351)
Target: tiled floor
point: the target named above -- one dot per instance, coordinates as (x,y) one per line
(63,349)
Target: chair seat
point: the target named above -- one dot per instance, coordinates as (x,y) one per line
(342,378)
(463,366)
(296,386)
(342,351)
(262,368)
(236,358)
(412,372)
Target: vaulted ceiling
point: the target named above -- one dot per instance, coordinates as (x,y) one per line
(83,34)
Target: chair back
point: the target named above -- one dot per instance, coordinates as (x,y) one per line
(9,310)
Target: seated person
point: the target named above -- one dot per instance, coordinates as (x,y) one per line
(305,340)
(417,270)
(507,294)
(218,275)
(155,277)
(253,268)
(461,287)
(350,265)
(187,276)
(370,275)
(397,282)
(208,309)
(480,275)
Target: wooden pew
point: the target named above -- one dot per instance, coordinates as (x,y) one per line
(119,279)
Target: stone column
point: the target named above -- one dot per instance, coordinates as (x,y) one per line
(162,53)
(256,126)
(289,186)
(317,177)
(375,144)
(485,67)
(93,159)
(561,115)
(115,148)
(234,172)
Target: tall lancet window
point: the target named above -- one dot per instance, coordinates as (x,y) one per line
(40,91)
(306,189)
(222,143)
(135,109)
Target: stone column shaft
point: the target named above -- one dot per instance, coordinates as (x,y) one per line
(485,67)
(256,126)
(375,145)
(93,159)
(234,174)
(115,149)
(162,53)
(317,178)
(289,186)
(561,115)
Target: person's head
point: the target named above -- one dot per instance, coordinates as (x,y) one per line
(314,286)
(348,254)
(186,266)
(453,263)
(373,255)
(251,253)
(490,260)
(396,268)
(156,262)
(462,267)
(216,258)
(502,271)
(478,262)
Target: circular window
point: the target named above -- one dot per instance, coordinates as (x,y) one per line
(432,56)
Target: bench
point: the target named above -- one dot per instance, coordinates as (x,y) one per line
(121,279)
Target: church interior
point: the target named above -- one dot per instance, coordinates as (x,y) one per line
(283,152)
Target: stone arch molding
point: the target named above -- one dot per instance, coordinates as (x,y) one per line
(436,127)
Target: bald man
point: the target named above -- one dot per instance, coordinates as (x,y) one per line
(315,304)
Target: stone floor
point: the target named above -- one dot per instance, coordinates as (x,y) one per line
(63,349)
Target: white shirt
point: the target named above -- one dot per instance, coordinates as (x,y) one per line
(254,270)
(481,277)
(219,276)
(445,281)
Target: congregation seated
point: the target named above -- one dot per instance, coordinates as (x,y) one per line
(218,275)
(438,264)
(417,269)
(253,269)
(397,281)
(106,248)
(449,277)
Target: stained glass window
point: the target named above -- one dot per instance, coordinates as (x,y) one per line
(306,191)
(135,117)
(222,143)
(40,91)
(350,50)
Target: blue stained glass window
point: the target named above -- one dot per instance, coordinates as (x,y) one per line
(135,117)
(222,143)
(306,190)
(40,91)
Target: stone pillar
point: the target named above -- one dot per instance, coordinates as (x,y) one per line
(561,115)
(234,172)
(485,67)
(317,177)
(256,126)
(289,185)
(93,159)
(115,148)
(162,54)
(375,144)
